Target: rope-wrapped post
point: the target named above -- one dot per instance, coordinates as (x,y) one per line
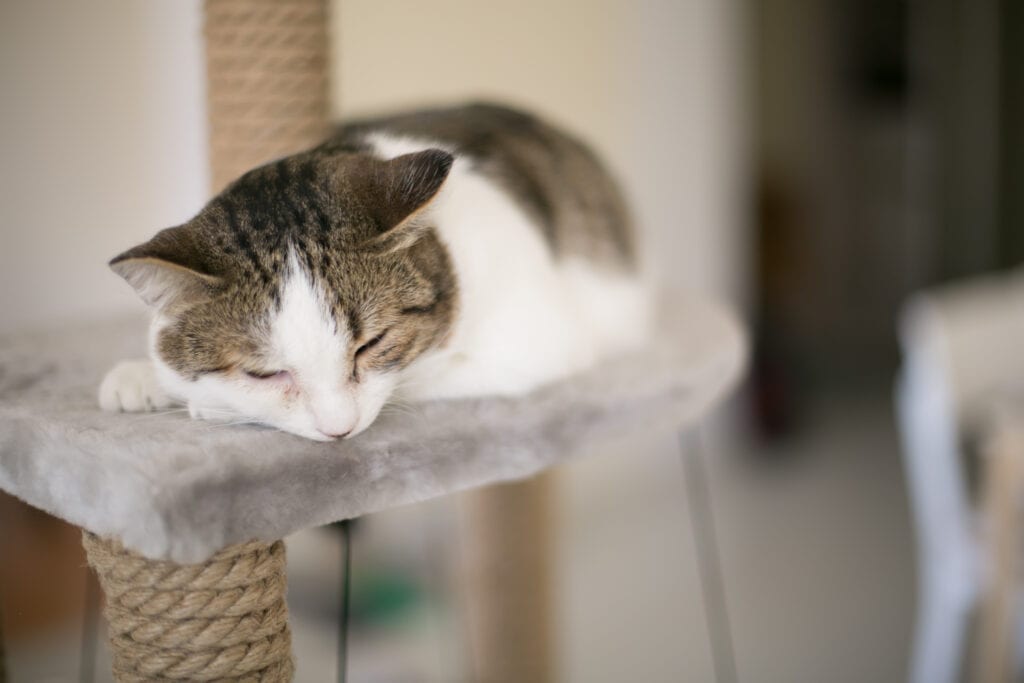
(222,620)
(226,619)
(266,75)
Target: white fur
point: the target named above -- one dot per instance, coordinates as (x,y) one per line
(523,319)
(132,386)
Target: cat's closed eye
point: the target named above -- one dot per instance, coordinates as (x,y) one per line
(269,374)
(370,344)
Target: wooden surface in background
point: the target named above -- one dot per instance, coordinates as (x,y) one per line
(42,572)
(1004,523)
(506,540)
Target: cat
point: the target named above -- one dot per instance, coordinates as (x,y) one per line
(443,253)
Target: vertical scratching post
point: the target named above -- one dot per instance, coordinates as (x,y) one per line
(266,81)
(224,619)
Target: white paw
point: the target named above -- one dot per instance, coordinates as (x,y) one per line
(131,386)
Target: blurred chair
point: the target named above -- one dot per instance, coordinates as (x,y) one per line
(963,351)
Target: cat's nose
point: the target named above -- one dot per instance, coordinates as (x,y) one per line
(334,412)
(329,435)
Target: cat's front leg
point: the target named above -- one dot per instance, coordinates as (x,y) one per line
(131,386)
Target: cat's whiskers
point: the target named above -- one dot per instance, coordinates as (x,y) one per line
(219,414)
(237,423)
(156,414)
(405,383)
(400,401)
(396,404)
(404,411)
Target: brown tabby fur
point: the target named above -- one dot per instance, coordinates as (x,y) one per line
(350,220)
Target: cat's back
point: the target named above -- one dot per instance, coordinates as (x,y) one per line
(557,181)
(540,242)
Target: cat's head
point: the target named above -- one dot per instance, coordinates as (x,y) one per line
(296,297)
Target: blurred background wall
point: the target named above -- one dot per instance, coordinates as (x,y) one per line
(103,144)
(887,159)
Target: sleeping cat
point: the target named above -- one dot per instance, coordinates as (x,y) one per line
(436,254)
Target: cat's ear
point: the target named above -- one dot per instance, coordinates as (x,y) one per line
(402,188)
(168,270)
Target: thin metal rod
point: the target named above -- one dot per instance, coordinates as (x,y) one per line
(90,615)
(705,540)
(346,571)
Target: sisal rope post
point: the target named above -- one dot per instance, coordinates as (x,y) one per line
(266,75)
(226,619)
(222,620)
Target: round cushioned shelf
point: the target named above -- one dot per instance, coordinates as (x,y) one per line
(173,488)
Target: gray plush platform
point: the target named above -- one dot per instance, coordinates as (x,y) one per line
(174,488)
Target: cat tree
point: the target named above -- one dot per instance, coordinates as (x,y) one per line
(182,521)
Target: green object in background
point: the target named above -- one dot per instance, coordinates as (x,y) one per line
(384,596)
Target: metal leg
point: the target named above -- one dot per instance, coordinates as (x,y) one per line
(716,611)
(346,574)
(90,618)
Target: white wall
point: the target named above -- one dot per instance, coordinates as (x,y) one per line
(103,142)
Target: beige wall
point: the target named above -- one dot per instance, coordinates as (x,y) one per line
(562,58)
(101,132)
